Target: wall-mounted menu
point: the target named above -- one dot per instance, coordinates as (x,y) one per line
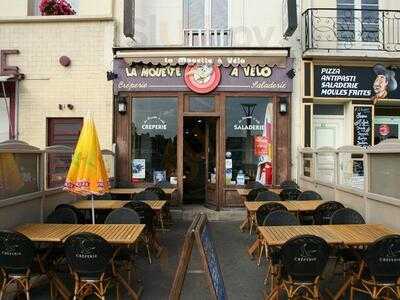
(363,126)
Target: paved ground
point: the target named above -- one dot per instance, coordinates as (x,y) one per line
(243,279)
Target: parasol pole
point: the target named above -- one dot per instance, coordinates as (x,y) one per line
(93,221)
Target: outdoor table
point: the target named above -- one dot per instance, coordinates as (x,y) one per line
(156,205)
(117,234)
(292,206)
(348,235)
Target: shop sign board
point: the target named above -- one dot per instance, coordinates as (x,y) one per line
(147,77)
(356,82)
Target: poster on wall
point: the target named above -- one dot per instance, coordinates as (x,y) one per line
(363,126)
(139,169)
(374,83)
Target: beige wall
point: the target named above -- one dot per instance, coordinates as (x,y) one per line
(13,8)
(48,84)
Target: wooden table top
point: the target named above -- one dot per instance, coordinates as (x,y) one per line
(132,191)
(115,233)
(352,235)
(309,205)
(114,204)
(47,232)
(112,233)
(245,192)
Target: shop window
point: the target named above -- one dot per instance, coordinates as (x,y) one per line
(386,123)
(384,174)
(65,132)
(351,170)
(154,139)
(249,143)
(19,174)
(201,104)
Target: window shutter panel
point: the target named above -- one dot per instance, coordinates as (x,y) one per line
(129,14)
(219,14)
(195,14)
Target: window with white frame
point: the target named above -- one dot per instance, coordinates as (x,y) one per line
(34,6)
(207,23)
(358,20)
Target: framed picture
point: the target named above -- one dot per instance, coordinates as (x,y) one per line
(139,169)
(159,176)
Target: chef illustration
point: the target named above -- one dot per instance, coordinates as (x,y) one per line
(385,81)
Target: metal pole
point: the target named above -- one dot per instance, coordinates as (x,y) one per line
(93,221)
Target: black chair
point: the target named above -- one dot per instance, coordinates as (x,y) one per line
(309,195)
(289,184)
(123,215)
(280,218)
(146,195)
(267,196)
(146,216)
(347,216)
(324,212)
(17,254)
(381,278)
(303,259)
(289,194)
(255,185)
(264,210)
(65,214)
(251,196)
(158,191)
(89,257)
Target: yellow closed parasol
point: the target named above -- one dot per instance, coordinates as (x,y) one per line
(87,174)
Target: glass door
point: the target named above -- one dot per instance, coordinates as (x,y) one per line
(211,163)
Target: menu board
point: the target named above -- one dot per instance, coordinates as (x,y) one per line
(363,126)
(214,268)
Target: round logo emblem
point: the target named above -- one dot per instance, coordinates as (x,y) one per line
(384,130)
(202,79)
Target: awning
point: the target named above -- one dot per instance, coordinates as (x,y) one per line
(224,57)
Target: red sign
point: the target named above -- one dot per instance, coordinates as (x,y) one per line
(261,144)
(202,79)
(384,130)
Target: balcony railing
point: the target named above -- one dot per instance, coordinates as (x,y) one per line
(351,29)
(208,37)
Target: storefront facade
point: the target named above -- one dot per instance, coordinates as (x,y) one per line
(204,120)
(350,102)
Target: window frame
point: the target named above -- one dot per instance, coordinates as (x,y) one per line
(207,16)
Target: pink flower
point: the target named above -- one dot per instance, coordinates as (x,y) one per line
(55,7)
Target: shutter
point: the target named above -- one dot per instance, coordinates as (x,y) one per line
(129,15)
(219,14)
(195,14)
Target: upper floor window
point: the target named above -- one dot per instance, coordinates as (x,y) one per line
(35,11)
(207,23)
(358,20)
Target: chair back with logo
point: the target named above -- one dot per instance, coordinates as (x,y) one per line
(280,218)
(88,254)
(383,259)
(289,194)
(324,212)
(309,195)
(17,252)
(347,216)
(304,257)
(252,195)
(123,215)
(264,210)
(267,196)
